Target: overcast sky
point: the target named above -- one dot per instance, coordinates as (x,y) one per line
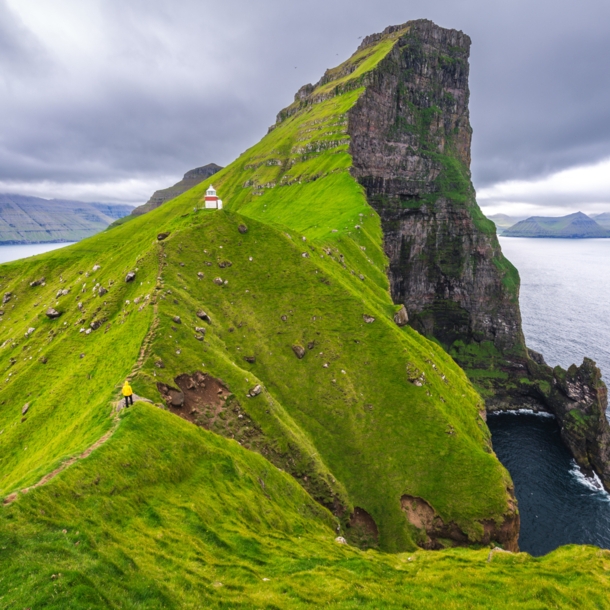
(108,100)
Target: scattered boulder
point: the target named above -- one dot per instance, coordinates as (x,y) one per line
(415,376)
(102,291)
(218,281)
(311,345)
(255,391)
(130,276)
(96,324)
(299,351)
(25,408)
(305,255)
(159,364)
(176,398)
(284,318)
(401,317)
(340,540)
(200,275)
(200,329)
(29,331)
(250,359)
(44,360)
(7,297)
(242,228)
(96,267)
(204,316)
(39,282)
(162,236)
(52,313)
(368,319)
(224,264)
(177,319)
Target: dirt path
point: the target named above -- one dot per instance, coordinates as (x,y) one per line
(51,475)
(117,404)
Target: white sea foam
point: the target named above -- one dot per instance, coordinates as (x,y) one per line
(523,412)
(591,482)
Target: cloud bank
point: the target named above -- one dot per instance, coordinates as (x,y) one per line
(109,100)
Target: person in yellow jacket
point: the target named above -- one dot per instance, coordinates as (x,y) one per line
(128,393)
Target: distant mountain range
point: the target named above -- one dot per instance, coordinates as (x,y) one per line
(503,222)
(572,226)
(602,219)
(30,220)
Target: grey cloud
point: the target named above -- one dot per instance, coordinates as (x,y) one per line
(175,85)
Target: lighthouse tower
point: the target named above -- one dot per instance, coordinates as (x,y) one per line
(211,199)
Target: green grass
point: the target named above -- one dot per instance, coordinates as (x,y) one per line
(166,515)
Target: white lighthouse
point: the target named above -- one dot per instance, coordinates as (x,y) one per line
(211,199)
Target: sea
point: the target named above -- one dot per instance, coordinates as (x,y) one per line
(565,307)
(13,253)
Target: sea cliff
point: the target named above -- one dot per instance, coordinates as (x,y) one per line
(410,139)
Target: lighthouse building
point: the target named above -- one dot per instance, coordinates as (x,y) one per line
(211,199)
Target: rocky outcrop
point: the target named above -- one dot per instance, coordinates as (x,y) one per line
(410,143)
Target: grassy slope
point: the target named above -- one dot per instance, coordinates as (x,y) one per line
(370,432)
(166,515)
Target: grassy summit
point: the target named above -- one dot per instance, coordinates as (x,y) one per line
(362,416)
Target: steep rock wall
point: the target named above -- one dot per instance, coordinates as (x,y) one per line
(410,143)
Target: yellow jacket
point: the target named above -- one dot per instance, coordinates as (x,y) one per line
(127,391)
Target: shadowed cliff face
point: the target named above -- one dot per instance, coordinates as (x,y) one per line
(410,143)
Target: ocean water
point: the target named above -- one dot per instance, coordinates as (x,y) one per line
(13,253)
(565,306)
(565,297)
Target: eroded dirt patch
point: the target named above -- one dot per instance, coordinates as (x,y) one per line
(436,534)
(362,530)
(207,402)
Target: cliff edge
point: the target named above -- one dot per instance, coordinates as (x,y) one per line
(410,143)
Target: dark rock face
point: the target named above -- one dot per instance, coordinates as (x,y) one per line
(410,143)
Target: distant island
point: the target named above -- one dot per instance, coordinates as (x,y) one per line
(33,220)
(572,226)
(503,221)
(602,219)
